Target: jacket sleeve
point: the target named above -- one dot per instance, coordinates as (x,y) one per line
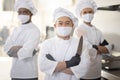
(31,43)
(8,44)
(45,65)
(81,70)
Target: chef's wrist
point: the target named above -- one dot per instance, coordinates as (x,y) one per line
(68,64)
(95,47)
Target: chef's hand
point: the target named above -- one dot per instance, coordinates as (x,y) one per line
(48,56)
(95,47)
(98,52)
(13,51)
(74,61)
(100,49)
(68,71)
(103,49)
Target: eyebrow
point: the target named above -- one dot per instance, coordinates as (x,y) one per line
(62,21)
(67,21)
(59,21)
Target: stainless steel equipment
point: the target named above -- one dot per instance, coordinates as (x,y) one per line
(111,62)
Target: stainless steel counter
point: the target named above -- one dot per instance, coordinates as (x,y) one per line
(111,74)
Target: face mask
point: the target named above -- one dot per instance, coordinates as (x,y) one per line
(63,31)
(87,17)
(24,18)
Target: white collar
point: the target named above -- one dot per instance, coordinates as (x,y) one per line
(60,40)
(88,27)
(26,26)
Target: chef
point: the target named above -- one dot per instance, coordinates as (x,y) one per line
(96,43)
(58,58)
(22,43)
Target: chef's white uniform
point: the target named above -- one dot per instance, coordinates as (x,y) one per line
(93,36)
(27,36)
(62,50)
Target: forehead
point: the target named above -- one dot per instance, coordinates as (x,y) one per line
(23,9)
(87,9)
(64,19)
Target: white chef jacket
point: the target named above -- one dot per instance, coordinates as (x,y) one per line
(27,36)
(93,36)
(62,50)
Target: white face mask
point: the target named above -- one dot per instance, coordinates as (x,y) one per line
(87,17)
(63,31)
(23,18)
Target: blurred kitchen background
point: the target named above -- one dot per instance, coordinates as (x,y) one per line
(107,19)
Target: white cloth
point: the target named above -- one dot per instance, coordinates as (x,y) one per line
(62,50)
(85,4)
(93,36)
(27,36)
(28,4)
(60,12)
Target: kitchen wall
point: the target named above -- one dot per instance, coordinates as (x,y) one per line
(109,23)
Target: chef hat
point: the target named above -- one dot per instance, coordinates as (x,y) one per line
(28,4)
(85,4)
(59,12)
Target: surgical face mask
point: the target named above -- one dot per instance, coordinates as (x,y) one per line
(63,31)
(87,17)
(23,18)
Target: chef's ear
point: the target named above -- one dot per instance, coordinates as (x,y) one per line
(54,25)
(72,25)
